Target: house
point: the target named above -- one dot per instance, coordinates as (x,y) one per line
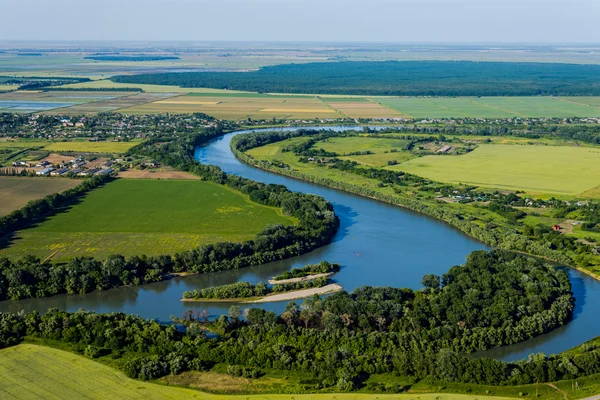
(45,171)
(20,164)
(556,228)
(43,164)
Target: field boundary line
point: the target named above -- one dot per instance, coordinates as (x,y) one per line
(402,113)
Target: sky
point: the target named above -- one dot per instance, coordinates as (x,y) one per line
(409,21)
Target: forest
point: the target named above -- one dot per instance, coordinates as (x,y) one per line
(394,78)
(495,298)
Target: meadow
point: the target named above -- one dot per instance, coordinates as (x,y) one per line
(142,216)
(16,192)
(31,371)
(541,170)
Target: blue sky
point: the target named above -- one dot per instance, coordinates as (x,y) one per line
(527,21)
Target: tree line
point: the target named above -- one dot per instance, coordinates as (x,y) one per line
(395,78)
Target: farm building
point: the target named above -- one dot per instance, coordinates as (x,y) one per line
(45,171)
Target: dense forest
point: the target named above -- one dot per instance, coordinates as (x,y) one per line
(496,298)
(32,277)
(393,78)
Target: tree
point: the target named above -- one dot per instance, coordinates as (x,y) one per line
(431,281)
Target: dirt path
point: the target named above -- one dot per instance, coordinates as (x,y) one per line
(301,279)
(562,392)
(299,294)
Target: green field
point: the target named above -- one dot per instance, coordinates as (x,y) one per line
(16,192)
(141,216)
(493,107)
(560,170)
(35,372)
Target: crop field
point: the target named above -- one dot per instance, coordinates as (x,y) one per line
(362,108)
(16,192)
(112,104)
(543,170)
(33,372)
(36,101)
(345,145)
(493,107)
(139,216)
(240,107)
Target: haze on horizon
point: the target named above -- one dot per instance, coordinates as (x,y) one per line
(442,21)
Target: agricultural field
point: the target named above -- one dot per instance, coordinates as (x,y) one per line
(237,107)
(36,101)
(540,170)
(139,216)
(16,192)
(31,371)
(112,104)
(362,108)
(493,107)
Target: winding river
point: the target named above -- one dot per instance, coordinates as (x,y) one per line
(377,244)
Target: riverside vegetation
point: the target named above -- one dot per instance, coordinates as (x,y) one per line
(495,298)
(246,290)
(497,218)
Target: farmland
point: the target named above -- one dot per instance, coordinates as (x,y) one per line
(36,101)
(558,170)
(31,371)
(17,192)
(138,216)
(240,106)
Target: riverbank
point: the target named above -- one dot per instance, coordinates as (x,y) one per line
(275,297)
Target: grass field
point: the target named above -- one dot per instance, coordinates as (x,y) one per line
(543,170)
(91,147)
(139,216)
(35,372)
(493,107)
(16,192)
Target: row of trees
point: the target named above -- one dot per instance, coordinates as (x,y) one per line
(37,210)
(323,267)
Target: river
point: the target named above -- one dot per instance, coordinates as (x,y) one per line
(377,244)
